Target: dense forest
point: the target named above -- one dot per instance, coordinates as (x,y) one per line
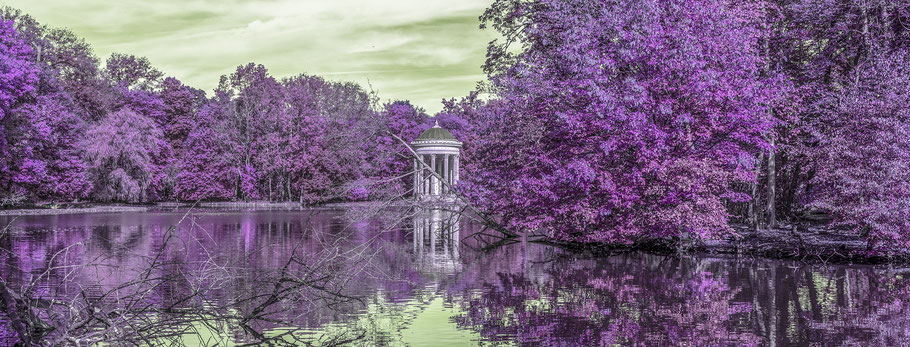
(616,122)
(121,131)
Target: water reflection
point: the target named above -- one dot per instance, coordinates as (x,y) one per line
(424,282)
(437,239)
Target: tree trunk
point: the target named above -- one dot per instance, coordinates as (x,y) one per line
(238,191)
(38,49)
(864,12)
(772,174)
(888,27)
(753,204)
(29,327)
(792,188)
(753,209)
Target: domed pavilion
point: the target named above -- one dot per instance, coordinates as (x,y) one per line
(440,151)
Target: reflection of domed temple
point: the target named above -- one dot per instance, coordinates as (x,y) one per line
(437,239)
(438,151)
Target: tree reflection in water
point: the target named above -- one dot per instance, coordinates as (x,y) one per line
(535,294)
(422,278)
(590,302)
(642,299)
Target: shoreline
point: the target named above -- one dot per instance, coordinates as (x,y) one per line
(75,210)
(813,243)
(809,244)
(222,205)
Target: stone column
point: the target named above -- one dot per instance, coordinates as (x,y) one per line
(432,176)
(452,170)
(456,164)
(424,182)
(445,172)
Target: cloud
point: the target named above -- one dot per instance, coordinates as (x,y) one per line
(419,50)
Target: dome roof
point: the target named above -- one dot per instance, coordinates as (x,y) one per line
(436,133)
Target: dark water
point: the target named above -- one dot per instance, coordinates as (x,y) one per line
(420,287)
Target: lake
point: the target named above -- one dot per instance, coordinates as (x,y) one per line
(396,277)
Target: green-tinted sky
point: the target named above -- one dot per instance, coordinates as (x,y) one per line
(421,50)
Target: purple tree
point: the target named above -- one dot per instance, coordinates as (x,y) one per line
(390,157)
(307,166)
(146,103)
(179,107)
(132,72)
(863,157)
(18,75)
(69,60)
(462,118)
(37,127)
(47,164)
(818,44)
(205,167)
(137,83)
(331,131)
(18,80)
(124,154)
(622,122)
(249,98)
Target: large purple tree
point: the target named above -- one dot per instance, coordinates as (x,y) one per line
(18,80)
(37,128)
(624,121)
(44,155)
(180,104)
(70,60)
(331,124)
(124,154)
(462,117)
(863,157)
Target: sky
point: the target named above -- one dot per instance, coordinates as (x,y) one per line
(418,50)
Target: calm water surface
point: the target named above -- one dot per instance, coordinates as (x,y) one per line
(425,283)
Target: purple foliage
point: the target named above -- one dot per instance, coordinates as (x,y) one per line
(18,75)
(37,128)
(606,122)
(863,158)
(622,121)
(132,72)
(124,153)
(179,108)
(204,170)
(391,158)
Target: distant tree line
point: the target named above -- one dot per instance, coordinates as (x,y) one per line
(73,128)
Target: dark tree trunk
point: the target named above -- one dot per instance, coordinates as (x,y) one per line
(753,204)
(772,181)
